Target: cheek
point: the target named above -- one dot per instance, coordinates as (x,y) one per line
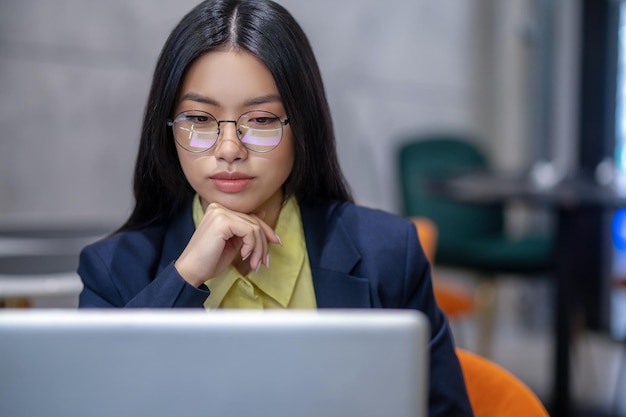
(286,158)
(190,164)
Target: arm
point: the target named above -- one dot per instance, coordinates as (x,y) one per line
(125,280)
(145,268)
(448,395)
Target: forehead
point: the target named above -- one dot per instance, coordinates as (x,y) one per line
(228,77)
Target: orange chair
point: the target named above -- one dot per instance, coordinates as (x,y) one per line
(453,301)
(494,391)
(428,234)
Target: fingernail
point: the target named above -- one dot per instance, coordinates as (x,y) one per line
(279,239)
(267,260)
(258,267)
(243,258)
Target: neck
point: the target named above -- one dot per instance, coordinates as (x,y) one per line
(272,210)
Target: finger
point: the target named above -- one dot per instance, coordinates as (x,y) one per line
(254,233)
(270,237)
(239,227)
(270,234)
(254,244)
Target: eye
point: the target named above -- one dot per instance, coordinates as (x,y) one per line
(196,118)
(263,121)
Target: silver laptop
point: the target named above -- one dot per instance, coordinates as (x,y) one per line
(153,363)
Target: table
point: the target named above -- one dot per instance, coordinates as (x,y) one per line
(570,198)
(40,260)
(35,285)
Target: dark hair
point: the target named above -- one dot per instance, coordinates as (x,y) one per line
(269,32)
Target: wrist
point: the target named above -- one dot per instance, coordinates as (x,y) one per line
(188,275)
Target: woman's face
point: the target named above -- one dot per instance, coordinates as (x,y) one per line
(227,84)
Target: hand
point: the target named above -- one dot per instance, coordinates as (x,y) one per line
(219,238)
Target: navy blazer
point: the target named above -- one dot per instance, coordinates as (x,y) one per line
(359,258)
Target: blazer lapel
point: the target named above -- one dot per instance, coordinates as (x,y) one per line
(177,235)
(333,258)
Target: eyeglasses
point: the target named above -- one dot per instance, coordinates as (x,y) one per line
(198,131)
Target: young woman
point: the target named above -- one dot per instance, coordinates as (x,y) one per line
(240,201)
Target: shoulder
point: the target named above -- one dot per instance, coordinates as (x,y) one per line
(146,244)
(354,217)
(352,213)
(367,228)
(143,243)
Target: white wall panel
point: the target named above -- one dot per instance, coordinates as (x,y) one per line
(74,76)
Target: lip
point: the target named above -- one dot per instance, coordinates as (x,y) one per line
(231,182)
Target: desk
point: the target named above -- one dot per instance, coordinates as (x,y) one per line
(570,198)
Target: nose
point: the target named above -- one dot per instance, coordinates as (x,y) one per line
(228,147)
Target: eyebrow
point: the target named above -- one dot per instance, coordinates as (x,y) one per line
(270,98)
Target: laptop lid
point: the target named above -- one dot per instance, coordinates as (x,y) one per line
(224,363)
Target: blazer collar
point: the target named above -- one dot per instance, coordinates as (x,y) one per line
(333,257)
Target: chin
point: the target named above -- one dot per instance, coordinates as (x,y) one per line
(236,203)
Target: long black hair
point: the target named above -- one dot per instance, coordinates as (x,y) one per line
(269,32)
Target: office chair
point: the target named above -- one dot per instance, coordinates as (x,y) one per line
(470,236)
(494,391)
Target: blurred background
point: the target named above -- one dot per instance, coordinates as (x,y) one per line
(75,77)
(535,85)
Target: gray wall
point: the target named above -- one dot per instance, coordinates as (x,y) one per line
(74,76)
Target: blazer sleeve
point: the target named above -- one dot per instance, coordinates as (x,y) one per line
(447,394)
(118,275)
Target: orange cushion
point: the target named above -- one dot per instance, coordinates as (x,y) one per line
(494,391)
(452,301)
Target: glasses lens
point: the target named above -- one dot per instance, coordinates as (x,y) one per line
(260,131)
(195,131)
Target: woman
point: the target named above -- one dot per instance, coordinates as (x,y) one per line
(240,201)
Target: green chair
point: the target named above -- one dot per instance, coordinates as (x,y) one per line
(471,236)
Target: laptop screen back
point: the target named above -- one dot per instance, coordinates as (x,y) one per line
(225,363)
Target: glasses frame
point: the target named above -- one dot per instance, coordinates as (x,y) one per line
(283,123)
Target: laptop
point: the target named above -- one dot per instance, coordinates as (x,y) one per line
(231,363)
